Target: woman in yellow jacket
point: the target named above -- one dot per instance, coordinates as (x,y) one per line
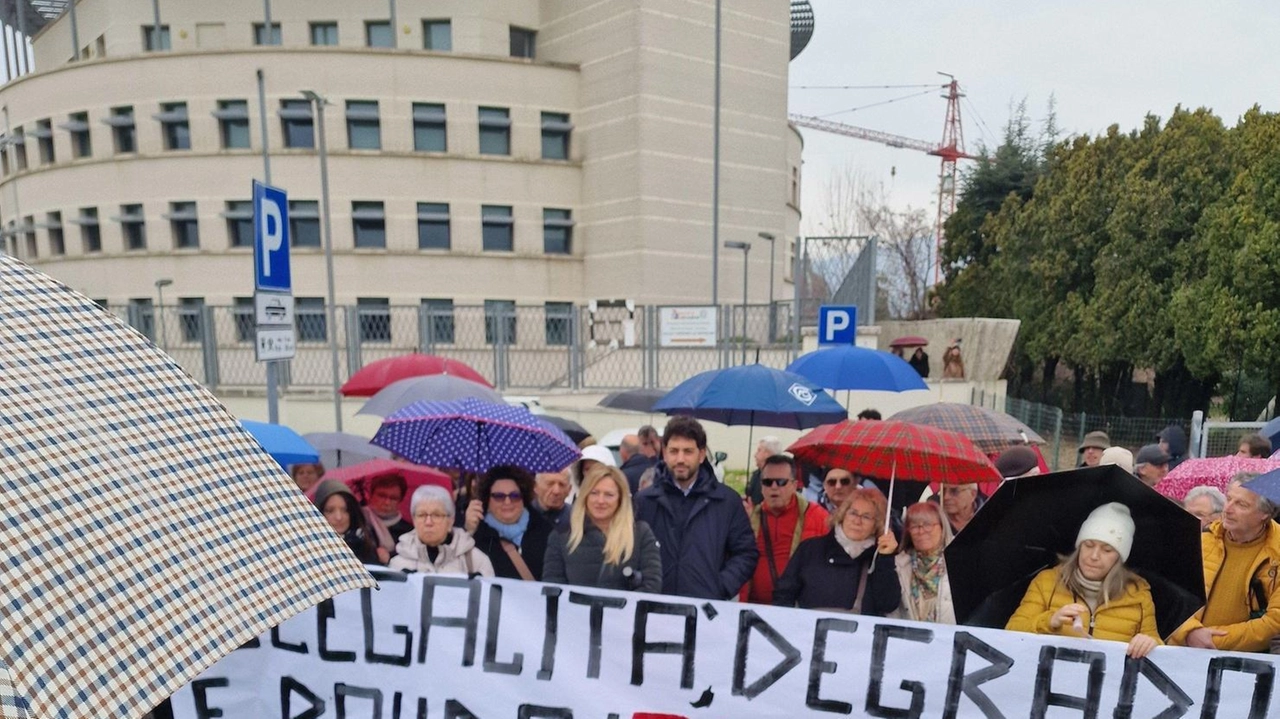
(1091,593)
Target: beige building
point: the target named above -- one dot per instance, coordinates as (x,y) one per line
(522,151)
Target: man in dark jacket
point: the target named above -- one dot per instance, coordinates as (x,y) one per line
(1174,442)
(634,461)
(708,548)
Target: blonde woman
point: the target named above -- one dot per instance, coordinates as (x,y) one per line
(1091,593)
(604,545)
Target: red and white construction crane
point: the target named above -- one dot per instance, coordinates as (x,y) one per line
(950,150)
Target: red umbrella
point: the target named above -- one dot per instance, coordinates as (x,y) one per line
(358,476)
(1211,471)
(874,449)
(374,376)
(910,341)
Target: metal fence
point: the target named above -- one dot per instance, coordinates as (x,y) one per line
(514,347)
(1219,439)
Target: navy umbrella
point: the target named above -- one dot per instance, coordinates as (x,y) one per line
(753,395)
(857,368)
(633,400)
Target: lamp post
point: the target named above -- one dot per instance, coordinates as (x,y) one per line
(160,285)
(746,251)
(319,103)
(773,316)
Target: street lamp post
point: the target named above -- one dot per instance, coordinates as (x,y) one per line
(746,251)
(773,315)
(160,285)
(319,103)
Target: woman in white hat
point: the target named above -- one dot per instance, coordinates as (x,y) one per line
(1091,593)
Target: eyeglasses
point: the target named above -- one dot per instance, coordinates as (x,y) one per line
(775,482)
(861,517)
(913,526)
(386,497)
(842,481)
(430,516)
(506,496)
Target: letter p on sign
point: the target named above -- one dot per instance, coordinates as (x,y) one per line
(837,324)
(271,239)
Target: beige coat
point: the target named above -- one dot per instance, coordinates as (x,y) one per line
(907,610)
(459,556)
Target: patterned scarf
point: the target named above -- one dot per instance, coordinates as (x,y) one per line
(926,576)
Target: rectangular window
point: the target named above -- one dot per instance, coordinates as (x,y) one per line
(233,124)
(29,237)
(429,127)
(364,130)
(495,131)
(523,42)
(558,320)
(377,33)
(309,316)
(556,129)
(239,216)
(500,317)
(153,41)
(262,37)
(243,312)
(19,142)
(142,316)
(557,232)
(78,127)
(324,33)
(134,227)
(44,133)
(191,318)
(497,228)
(90,233)
(124,131)
(375,319)
(304,223)
(437,35)
(439,321)
(185,225)
(433,225)
(369,224)
(57,240)
(297,123)
(175,125)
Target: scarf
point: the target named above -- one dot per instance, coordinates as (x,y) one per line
(511,532)
(853,547)
(1090,590)
(926,576)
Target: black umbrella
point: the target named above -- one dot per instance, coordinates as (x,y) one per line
(1028,522)
(633,400)
(576,432)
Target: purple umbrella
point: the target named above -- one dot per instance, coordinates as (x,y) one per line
(472,435)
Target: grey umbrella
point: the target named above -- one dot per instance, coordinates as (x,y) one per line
(343,449)
(633,400)
(432,388)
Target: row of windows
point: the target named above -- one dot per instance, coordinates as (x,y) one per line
(363,124)
(373,315)
(368,226)
(437,35)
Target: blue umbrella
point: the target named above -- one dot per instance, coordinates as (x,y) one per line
(283,444)
(1267,485)
(473,435)
(754,395)
(849,367)
(1271,430)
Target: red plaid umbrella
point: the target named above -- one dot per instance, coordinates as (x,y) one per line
(1212,471)
(991,431)
(374,376)
(872,449)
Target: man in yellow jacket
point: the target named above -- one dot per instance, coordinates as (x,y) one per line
(1241,555)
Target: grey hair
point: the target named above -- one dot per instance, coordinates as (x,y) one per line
(1217,499)
(772,445)
(432,493)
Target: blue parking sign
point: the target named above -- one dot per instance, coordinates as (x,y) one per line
(271,239)
(837,325)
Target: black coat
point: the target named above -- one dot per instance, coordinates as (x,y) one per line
(533,547)
(585,566)
(821,575)
(633,468)
(708,548)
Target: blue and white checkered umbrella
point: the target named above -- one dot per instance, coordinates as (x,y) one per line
(475,436)
(143,533)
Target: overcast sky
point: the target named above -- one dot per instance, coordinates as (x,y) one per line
(1105,62)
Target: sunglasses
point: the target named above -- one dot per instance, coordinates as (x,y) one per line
(775,482)
(842,481)
(506,497)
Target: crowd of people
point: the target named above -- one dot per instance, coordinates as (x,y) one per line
(659,521)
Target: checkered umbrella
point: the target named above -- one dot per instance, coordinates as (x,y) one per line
(1210,471)
(874,448)
(992,432)
(144,534)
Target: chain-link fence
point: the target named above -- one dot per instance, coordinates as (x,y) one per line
(1220,439)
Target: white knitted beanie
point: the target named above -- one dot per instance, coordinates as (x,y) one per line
(1110,523)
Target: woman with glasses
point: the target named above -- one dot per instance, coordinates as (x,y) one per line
(922,571)
(514,538)
(604,545)
(851,568)
(836,488)
(435,546)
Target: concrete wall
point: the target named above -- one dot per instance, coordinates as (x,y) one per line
(985,342)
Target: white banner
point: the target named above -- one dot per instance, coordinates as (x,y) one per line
(447,647)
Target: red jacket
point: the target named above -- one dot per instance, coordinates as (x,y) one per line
(784,537)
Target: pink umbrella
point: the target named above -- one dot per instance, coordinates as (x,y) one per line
(358,476)
(1213,472)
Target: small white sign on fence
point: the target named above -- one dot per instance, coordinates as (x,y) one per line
(687,326)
